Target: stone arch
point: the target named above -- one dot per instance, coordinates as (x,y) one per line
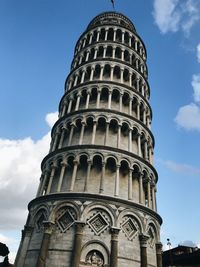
(152,231)
(97,249)
(127,218)
(65,204)
(40,216)
(90,208)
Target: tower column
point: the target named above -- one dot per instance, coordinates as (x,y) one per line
(82,132)
(114,35)
(111,73)
(70,105)
(138,111)
(130,106)
(121,75)
(117,181)
(71,134)
(106,135)
(83,76)
(141,189)
(88,175)
(62,137)
(94,131)
(101,190)
(74,175)
(44,180)
(130,140)
(101,73)
(119,135)
(87,55)
(104,51)
(62,173)
(53,170)
(114,247)
(87,99)
(149,193)
(143,250)
(64,108)
(130,185)
(98,97)
(139,145)
(92,74)
(159,254)
(56,140)
(95,52)
(120,102)
(48,228)
(76,254)
(109,99)
(77,102)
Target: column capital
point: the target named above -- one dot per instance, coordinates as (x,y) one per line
(27,230)
(159,247)
(115,231)
(64,163)
(143,240)
(79,226)
(48,226)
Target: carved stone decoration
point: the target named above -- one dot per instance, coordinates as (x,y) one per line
(98,223)
(94,258)
(65,220)
(151,234)
(130,228)
(39,222)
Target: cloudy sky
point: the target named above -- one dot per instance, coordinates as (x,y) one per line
(37,39)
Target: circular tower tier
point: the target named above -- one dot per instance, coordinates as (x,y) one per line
(96,202)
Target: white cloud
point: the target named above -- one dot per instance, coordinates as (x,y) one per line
(51,118)
(191,10)
(196,87)
(188,243)
(19,176)
(185,169)
(188,117)
(173,15)
(198,52)
(165,15)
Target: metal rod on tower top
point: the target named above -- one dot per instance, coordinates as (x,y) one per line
(113,4)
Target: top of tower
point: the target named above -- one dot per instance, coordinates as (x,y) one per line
(112,18)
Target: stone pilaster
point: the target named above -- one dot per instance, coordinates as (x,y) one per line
(48,228)
(143,250)
(24,244)
(159,254)
(76,253)
(114,247)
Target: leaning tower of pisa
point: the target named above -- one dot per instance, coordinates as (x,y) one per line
(96,201)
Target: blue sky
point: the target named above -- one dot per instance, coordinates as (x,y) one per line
(37,39)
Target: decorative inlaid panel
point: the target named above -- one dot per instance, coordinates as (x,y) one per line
(130,228)
(98,223)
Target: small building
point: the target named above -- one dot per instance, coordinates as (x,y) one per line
(182,256)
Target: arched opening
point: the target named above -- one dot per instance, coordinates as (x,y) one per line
(110,34)
(118,53)
(104,98)
(116,73)
(106,71)
(118,35)
(81,174)
(123,182)
(109,51)
(97,71)
(100,52)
